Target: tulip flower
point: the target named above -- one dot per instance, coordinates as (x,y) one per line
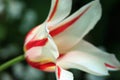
(57,44)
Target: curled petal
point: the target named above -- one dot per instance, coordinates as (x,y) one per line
(86,57)
(74,28)
(59,10)
(40,50)
(62,74)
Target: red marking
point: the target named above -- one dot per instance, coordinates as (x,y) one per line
(40,66)
(47,65)
(54,10)
(66,25)
(59,72)
(60,56)
(109,66)
(36,43)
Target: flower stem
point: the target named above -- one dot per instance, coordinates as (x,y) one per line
(11,62)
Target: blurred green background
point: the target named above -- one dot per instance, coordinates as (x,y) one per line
(17,17)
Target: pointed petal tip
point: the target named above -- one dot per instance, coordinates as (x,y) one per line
(98,5)
(97,1)
(115,63)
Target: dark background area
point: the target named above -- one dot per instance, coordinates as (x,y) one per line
(17,17)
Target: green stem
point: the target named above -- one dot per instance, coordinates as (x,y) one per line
(11,62)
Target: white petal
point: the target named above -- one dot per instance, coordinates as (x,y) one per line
(105,57)
(74,28)
(59,10)
(62,74)
(86,57)
(82,61)
(40,48)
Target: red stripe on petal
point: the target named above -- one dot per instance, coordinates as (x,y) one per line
(36,43)
(54,10)
(109,66)
(40,66)
(46,65)
(60,56)
(66,25)
(58,72)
